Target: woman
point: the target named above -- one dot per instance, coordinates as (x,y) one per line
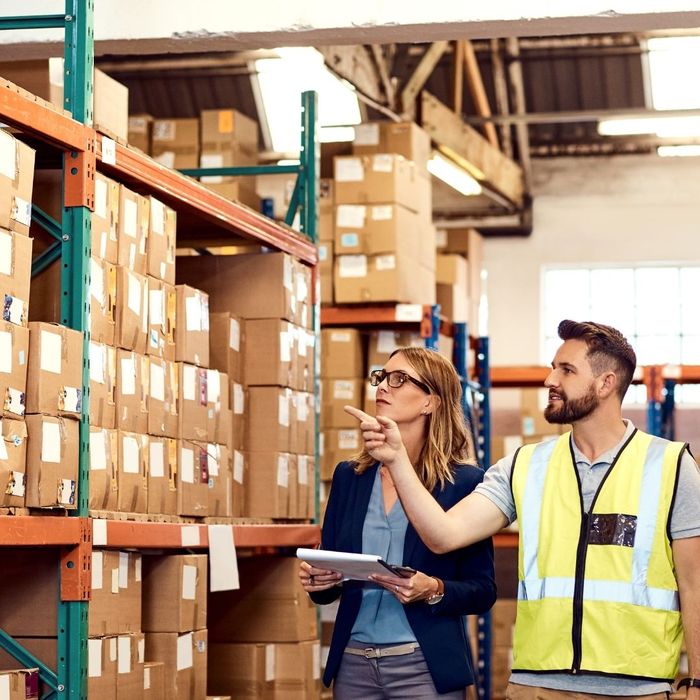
(404,637)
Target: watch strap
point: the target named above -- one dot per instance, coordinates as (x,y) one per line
(688,683)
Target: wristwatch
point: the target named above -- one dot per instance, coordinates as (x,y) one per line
(439,595)
(686,682)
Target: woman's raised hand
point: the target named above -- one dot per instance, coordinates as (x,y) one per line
(381,435)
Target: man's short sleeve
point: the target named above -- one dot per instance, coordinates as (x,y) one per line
(496,486)
(685,516)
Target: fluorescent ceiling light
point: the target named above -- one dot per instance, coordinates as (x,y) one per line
(451,174)
(664,127)
(671,151)
(281,82)
(331,134)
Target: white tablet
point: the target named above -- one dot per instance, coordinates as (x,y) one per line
(353,566)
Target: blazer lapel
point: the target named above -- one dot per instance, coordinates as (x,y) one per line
(364,482)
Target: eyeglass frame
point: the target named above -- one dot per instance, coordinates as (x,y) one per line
(380,375)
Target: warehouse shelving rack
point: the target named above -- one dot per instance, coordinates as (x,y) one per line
(82,149)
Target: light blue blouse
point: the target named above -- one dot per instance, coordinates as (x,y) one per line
(381,619)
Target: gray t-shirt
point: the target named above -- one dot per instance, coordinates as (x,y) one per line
(685,522)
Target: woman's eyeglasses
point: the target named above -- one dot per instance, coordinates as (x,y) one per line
(395,379)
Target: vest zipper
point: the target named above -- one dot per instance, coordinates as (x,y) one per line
(577,627)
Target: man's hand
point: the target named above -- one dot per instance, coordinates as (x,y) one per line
(381,435)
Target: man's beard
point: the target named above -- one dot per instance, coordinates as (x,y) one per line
(572,410)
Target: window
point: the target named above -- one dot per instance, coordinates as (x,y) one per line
(655,307)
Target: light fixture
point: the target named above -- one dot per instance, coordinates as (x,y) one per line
(451,174)
(664,127)
(675,151)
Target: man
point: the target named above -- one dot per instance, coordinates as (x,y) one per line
(609,518)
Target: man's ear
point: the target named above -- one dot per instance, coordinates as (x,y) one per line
(608,384)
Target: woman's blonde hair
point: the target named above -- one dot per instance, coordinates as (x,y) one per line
(448,441)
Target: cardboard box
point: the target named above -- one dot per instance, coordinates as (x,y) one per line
(463,241)
(162,304)
(192,329)
(326,218)
(325,265)
(192,412)
(304,356)
(131,310)
(174,592)
(302,423)
(250,286)
(52,461)
(103,380)
(383,343)
(377,179)
(201,654)
(55,370)
(246,671)
(20,684)
(16,182)
(238,470)
(338,446)
(218,411)
(503,617)
(268,419)
(184,659)
(277,365)
(160,244)
(369,401)
(454,303)
(226,342)
(267,485)
(105,601)
(342,354)
(533,423)
(140,131)
(15,273)
(13,460)
(220,477)
(132,461)
(297,671)
(103,296)
(405,138)
(104,459)
(162,476)
(134,219)
(130,592)
(162,398)
(14,341)
(223,129)
(238,416)
(192,479)
(274,609)
(132,389)
(335,394)
(154,680)
(175,143)
(130,660)
(240,189)
(102,667)
(392,277)
(104,219)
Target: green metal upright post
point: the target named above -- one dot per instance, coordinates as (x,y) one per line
(75,285)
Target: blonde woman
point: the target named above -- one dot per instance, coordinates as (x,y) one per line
(404,637)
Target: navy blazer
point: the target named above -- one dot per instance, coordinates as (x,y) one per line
(470,586)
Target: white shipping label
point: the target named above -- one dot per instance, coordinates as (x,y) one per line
(223,560)
(157,217)
(386,342)
(370,392)
(98,450)
(97,562)
(124,655)
(50,442)
(193,313)
(130,455)
(189,382)
(352,265)
(234,337)
(71,399)
(302,287)
(189,536)
(350,215)
(157,382)
(211,160)
(341,336)
(189,582)
(383,212)
(316,651)
(184,651)
(385,262)
(238,466)
(115,580)
(99,533)
(138,563)
(213,386)
(322,252)
(187,465)
(349,439)
(269,662)
(343,389)
(288,273)
(441,238)
(50,352)
(155,307)
(21,211)
(302,408)
(303,470)
(15,401)
(155,458)
(382,163)
(17,483)
(147,678)
(349,170)
(112,649)
(101,197)
(97,356)
(164,130)
(5,253)
(238,399)
(8,155)
(409,312)
(285,347)
(15,312)
(283,410)
(128,376)
(367,134)
(5,352)
(141,651)
(3,446)
(94,660)
(134,294)
(166,159)
(283,471)
(103,244)
(97,282)
(109,151)
(123,569)
(130,217)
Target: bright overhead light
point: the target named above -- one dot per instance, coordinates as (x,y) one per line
(676,151)
(454,176)
(333,134)
(664,127)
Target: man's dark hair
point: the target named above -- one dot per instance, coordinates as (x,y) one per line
(608,349)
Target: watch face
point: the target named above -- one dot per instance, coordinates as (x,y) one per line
(435,598)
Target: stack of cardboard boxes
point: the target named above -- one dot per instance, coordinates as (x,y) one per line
(382,226)
(264,640)
(503,622)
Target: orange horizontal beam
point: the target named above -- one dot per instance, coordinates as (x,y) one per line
(181,192)
(39,531)
(505,539)
(518,376)
(371,314)
(684,374)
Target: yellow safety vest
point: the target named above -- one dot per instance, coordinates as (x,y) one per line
(597,591)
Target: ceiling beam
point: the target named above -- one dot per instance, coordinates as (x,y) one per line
(478,91)
(384,74)
(517,86)
(356,65)
(420,75)
(458,74)
(500,85)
